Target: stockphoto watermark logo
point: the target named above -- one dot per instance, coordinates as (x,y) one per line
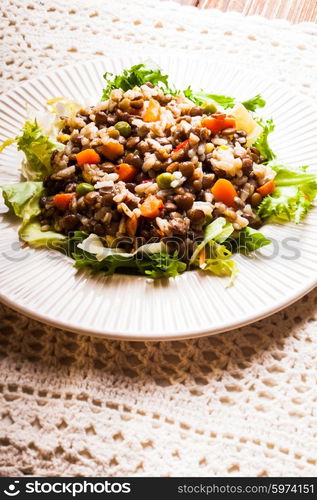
(72,488)
(287,248)
(13,489)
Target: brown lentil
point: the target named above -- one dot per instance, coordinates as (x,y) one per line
(184,201)
(256,199)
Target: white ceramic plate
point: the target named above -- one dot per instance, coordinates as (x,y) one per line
(44,285)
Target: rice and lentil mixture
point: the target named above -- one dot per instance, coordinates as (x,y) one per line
(143,166)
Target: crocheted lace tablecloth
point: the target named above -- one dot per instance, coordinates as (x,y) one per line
(239,403)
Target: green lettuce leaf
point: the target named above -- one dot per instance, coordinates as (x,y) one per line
(146,261)
(32,234)
(217,256)
(293,196)
(137,75)
(161,265)
(254,103)
(262,143)
(200,97)
(38,149)
(247,240)
(218,261)
(218,230)
(23,199)
(141,73)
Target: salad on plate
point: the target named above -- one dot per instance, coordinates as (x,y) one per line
(153,180)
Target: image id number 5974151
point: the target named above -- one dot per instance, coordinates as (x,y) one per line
(292,488)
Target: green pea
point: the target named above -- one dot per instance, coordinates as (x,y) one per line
(209,108)
(84,188)
(123,128)
(164,180)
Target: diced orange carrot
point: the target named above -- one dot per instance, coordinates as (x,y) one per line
(267,188)
(224,191)
(151,207)
(126,172)
(132,225)
(87,156)
(305,196)
(152,112)
(202,256)
(230,122)
(112,150)
(218,123)
(62,200)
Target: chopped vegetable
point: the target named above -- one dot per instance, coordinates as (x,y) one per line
(164,180)
(7,143)
(137,75)
(295,190)
(218,261)
(211,255)
(224,191)
(124,128)
(245,121)
(62,200)
(254,103)
(84,188)
(246,240)
(152,112)
(267,188)
(181,145)
(202,97)
(202,257)
(155,262)
(112,150)
(87,156)
(132,225)
(38,149)
(218,230)
(209,108)
(262,143)
(216,123)
(32,234)
(23,198)
(151,207)
(63,106)
(126,172)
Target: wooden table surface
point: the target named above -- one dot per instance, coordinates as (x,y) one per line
(295,11)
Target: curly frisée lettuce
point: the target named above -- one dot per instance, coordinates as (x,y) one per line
(262,142)
(38,149)
(137,75)
(295,191)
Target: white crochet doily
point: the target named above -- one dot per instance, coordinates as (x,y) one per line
(241,403)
